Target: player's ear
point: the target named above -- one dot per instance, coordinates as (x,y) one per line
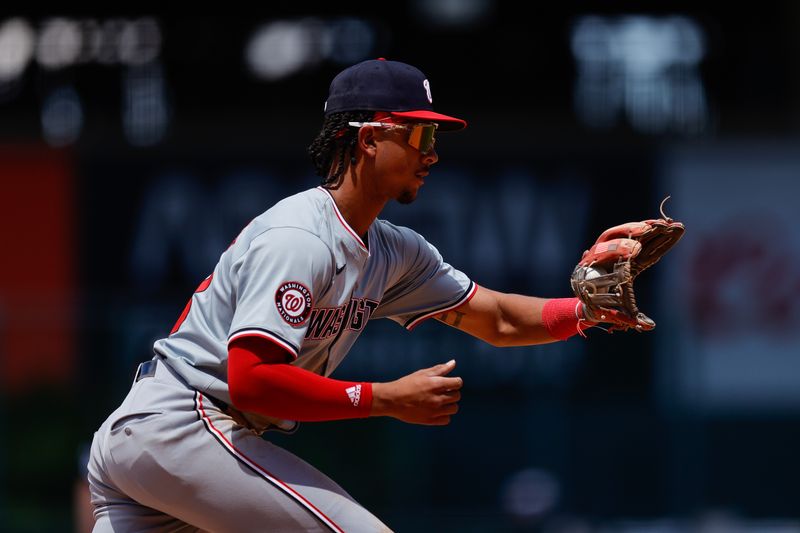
(367,140)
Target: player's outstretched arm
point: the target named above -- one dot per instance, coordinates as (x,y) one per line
(503,319)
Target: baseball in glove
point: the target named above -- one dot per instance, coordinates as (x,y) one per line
(603,279)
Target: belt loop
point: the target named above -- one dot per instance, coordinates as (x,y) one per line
(145,370)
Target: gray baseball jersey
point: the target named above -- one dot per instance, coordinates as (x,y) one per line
(299,276)
(170,458)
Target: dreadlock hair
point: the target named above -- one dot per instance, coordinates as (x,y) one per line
(336,142)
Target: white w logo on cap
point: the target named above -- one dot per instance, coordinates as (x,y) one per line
(427,86)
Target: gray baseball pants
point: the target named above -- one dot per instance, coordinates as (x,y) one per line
(169,460)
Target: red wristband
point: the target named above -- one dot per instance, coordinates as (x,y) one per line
(563,318)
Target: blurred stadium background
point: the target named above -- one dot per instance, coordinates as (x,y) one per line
(133,148)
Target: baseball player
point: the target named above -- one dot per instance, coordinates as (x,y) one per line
(257,343)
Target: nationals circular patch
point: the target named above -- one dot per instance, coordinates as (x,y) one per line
(293,301)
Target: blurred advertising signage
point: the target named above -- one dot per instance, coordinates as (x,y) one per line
(641,69)
(733,290)
(38,273)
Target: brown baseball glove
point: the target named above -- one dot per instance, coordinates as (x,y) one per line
(603,279)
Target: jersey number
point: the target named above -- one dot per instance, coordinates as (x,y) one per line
(203,286)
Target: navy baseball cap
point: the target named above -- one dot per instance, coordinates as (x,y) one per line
(380,85)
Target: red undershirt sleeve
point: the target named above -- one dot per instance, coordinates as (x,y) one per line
(261,381)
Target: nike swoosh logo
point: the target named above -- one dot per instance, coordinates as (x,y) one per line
(339,269)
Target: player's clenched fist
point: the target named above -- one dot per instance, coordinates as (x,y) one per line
(427,396)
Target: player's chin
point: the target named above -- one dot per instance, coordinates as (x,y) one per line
(407,196)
